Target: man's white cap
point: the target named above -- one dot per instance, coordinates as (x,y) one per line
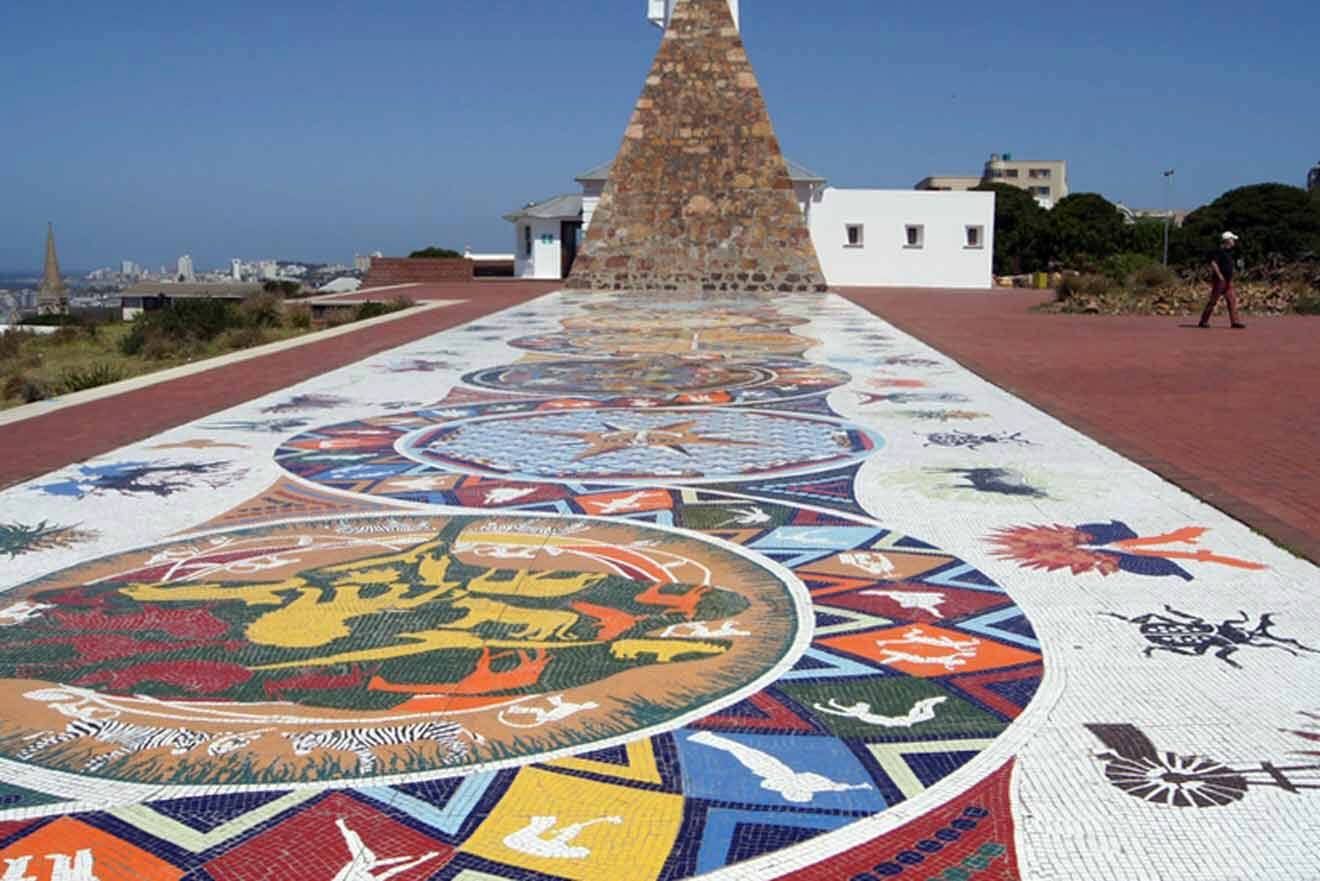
(1228,236)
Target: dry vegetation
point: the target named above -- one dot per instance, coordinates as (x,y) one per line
(1155,290)
(80,356)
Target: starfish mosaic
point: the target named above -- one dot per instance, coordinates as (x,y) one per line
(675,437)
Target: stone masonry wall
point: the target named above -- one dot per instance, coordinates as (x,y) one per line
(699,197)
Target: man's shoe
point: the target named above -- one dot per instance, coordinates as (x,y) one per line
(1240,326)
(1202,324)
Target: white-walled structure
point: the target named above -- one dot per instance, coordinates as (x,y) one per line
(904,238)
(546,236)
(864,237)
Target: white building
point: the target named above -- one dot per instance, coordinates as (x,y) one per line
(236,269)
(184,269)
(904,238)
(546,236)
(864,237)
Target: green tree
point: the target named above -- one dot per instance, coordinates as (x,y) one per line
(436,251)
(1021,230)
(1273,220)
(1085,228)
(1146,236)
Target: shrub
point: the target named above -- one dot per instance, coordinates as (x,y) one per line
(76,379)
(434,251)
(262,310)
(132,342)
(12,342)
(371,309)
(65,334)
(1307,302)
(243,337)
(25,388)
(1091,285)
(203,319)
(161,348)
(1120,267)
(340,315)
(282,287)
(1154,276)
(298,315)
(179,327)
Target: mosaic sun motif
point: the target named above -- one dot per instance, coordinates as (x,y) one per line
(333,649)
(626,445)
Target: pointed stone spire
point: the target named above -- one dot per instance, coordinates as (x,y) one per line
(52,298)
(699,197)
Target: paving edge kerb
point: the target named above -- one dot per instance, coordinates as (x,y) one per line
(146,380)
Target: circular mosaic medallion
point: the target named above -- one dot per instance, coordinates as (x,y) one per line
(322,650)
(614,377)
(750,341)
(618,445)
(663,381)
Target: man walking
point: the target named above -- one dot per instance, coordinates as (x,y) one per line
(1221,267)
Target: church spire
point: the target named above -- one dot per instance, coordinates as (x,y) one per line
(52,298)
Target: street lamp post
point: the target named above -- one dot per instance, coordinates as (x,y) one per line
(1168,211)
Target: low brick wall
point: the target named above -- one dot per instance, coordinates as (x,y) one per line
(413,270)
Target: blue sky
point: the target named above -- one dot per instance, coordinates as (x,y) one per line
(292,129)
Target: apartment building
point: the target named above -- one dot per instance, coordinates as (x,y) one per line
(1046,179)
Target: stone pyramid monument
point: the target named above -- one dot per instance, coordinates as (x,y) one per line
(52,298)
(699,197)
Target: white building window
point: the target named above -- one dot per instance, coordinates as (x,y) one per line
(1039,173)
(853,235)
(975,237)
(527,241)
(916,236)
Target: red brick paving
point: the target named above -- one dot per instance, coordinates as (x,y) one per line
(1229,415)
(40,444)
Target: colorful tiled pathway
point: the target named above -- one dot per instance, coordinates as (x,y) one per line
(632,588)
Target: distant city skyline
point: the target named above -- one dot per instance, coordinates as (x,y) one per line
(316,134)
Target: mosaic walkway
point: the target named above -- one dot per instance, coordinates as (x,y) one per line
(618,588)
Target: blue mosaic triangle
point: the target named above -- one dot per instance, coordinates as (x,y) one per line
(202,814)
(930,767)
(615,755)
